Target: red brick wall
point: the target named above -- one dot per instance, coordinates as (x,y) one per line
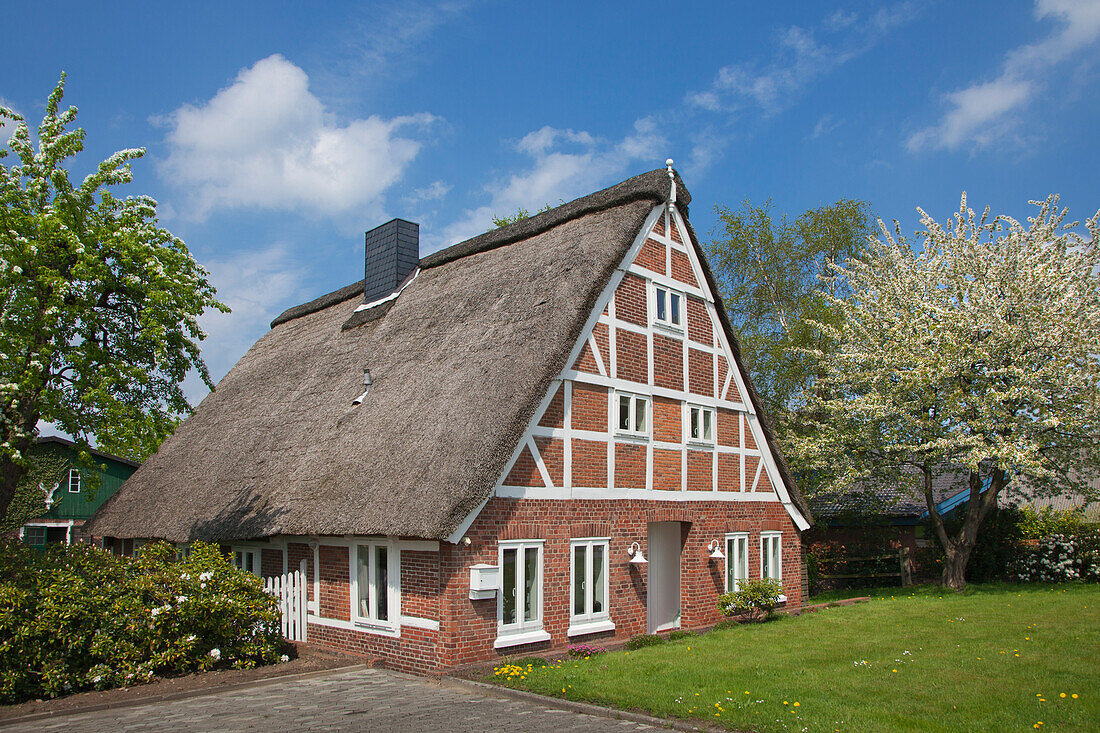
(668,362)
(681,267)
(524,471)
(631,356)
(652,256)
(629,466)
(698,322)
(586,362)
(667,414)
(552,451)
(271,562)
(589,463)
(420,584)
(700,467)
(589,407)
(295,553)
(335,601)
(554,417)
(667,467)
(700,372)
(416,651)
(630,300)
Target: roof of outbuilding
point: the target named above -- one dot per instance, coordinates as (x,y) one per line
(459,363)
(900,501)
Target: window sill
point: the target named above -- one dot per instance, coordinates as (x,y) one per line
(640,438)
(374,627)
(700,444)
(591,627)
(668,328)
(526,637)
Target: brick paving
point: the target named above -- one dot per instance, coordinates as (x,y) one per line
(357,700)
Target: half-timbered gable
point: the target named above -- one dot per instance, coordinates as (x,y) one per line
(541,435)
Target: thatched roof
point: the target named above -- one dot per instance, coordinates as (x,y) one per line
(459,362)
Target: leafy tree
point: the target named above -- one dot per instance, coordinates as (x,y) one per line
(99,307)
(977,352)
(768,275)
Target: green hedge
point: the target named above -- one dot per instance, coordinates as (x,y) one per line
(76,617)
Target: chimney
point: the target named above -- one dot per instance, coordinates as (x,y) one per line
(393,253)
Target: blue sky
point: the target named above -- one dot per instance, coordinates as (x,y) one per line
(278,132)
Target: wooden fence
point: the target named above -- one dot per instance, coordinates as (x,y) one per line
(904,573)
(290,589)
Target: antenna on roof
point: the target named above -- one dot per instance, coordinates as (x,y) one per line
(672,181)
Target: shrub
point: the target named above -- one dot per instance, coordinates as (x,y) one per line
(680,634)
(76,617)
(757,597)
(1053,560)
(585,650)
(643,640)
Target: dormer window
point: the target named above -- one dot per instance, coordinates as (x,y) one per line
(633,414)
(669,307)
(700,424)
(74,481)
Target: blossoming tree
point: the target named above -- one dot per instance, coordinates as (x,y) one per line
(99,305)
(978,351)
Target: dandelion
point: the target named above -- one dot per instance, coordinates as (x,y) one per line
(1074,696)
(1061,694)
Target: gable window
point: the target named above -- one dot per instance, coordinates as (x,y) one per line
(74,481)
(589,611)
(701,424)
(244,558)
(737,559)
(519,610)
(771,555)
(376,585)
(669,306)
(632,414)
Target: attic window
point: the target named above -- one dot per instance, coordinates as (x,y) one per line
(668,307)
(633,414)
(74,481)
(366,388)
(701,424)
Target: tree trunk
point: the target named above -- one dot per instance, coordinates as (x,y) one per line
(954,566)
(957,551)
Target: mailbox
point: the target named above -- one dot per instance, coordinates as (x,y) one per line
(484,581)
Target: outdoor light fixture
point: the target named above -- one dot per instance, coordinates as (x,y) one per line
(366,388)
(635,553)
(716,550)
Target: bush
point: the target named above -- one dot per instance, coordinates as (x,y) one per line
(1055,559)
(680,634)
(585,650)
(755,596)
(643,640)
(76,617)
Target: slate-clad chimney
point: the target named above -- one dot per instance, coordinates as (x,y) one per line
(393,252)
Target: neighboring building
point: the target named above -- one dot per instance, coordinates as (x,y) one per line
(538,436)
(1023,492)
(72,498)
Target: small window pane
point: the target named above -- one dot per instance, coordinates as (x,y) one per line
(531,584)
(74,481)
(775,557)
(675,308)
(363,580)
(640,415)
(508,592)
(624,412)
(694,423)
(578,579)
(708,425)
(599,579)
(743,556)
(381,574)
(662,312)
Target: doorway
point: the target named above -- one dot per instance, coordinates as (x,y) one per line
(663,576)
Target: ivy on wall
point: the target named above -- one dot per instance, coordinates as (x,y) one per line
(49,465)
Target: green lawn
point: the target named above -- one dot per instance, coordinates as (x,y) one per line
(989,659)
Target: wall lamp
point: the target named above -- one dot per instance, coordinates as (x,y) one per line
(715,548)
(635,553)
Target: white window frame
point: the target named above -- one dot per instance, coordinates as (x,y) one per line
(765,539)
(736,542)
(393,585)
(589,622)
(74,473)
(632,430)
(521,631)
(240,565)
(697,413)
(659,291)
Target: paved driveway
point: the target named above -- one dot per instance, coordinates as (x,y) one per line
(356,700)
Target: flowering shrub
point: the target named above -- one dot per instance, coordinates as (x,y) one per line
(757,597)
(1058,557)
(76,617)
(585,650)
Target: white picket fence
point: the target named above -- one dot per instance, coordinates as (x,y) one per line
(290,589)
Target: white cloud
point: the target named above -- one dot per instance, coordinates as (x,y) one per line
(566,164)
(827,124)
(800,59)
(433,192)
(985,112)
(266,141)
(257,286)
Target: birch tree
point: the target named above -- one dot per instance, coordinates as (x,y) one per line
(99,305)
(977,351)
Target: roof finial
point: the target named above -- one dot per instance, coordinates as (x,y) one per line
(672,180)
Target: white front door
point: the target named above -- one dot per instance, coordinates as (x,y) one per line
(663,576)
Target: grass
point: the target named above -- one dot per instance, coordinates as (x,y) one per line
(991,658)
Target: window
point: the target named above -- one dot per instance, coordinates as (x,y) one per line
(519,612)
(701,424)
(183,551)
(376,585)
(669,307)
(633,414)
(737,559)
(74,481)
(589,610)
(771,555)
(244,558)
(34,536)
